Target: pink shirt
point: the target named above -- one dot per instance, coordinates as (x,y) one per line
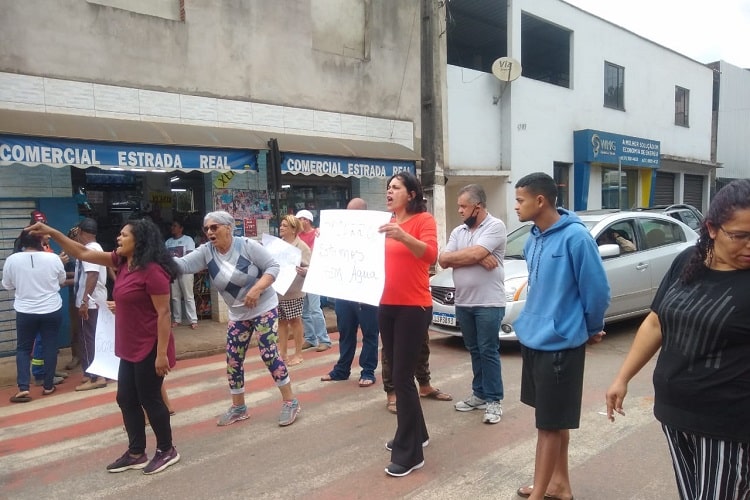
(136,332)
(308,237)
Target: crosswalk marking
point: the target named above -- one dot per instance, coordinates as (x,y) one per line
(88,424)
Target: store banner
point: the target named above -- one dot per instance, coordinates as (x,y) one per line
(348,259)
(62,152)
(293,163)
(604,147)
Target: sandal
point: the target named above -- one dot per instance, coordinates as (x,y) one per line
(47,392)
(21,397)
(391,406)
(366,382)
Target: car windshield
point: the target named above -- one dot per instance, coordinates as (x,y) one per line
(516,240)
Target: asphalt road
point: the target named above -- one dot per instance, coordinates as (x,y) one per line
(58,447)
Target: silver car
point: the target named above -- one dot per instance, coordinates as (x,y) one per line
(637,249)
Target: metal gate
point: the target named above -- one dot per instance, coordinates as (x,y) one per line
(693,192)
(664,189)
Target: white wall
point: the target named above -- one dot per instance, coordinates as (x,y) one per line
(473,119)
(732,145)
(542,117)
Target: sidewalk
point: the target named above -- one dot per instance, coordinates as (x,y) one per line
(209,338)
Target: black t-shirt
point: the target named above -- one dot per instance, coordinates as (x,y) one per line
(702,375)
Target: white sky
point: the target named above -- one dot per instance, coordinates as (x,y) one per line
(704,30)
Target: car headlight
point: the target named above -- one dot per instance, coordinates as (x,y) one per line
(514,287)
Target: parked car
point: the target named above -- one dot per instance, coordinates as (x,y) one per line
(683,213)
(633,275)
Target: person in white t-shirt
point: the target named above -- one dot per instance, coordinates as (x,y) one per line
(180,245)
(90,289)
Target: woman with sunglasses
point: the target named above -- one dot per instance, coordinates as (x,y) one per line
(242,272)
(700,321)
(143,336)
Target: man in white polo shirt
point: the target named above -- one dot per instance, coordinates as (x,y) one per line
(475,251)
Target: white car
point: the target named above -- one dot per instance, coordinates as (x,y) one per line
(634,276)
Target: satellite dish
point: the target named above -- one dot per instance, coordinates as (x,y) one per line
(506,69)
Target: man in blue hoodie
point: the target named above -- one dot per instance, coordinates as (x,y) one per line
(566,299)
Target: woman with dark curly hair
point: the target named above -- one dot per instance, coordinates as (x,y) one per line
(143,335)
(700,320)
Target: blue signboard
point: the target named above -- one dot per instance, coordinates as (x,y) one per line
(604,147)
(54,152)
(293,163)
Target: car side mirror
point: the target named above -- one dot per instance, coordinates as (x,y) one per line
(609,250)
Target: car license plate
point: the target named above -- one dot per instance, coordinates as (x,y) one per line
(443,319)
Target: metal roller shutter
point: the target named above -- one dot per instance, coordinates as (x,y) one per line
(664,189)
(14,216)
(693,192)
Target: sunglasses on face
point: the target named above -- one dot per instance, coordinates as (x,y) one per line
(211,227)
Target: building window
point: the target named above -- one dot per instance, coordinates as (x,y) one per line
(625,182)
(614,86)
(562,179)
(545,51)
(681,107)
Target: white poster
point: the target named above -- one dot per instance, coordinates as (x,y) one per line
(348,259)
(288,256)
(105,363)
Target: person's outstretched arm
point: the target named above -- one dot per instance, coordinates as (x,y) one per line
(72,247)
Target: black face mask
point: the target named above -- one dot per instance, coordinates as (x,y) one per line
(471,220)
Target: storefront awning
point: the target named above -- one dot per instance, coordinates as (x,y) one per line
(159,135)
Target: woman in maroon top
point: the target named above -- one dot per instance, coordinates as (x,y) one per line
(143,336)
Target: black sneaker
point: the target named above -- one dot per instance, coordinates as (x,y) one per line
(397,470)
(162,460)
(389,444)
(127,462)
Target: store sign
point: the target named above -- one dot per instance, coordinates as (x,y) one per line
(58,153)
(603,147)
(292,163)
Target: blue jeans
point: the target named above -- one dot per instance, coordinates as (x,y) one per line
(349,317)
(313,322)
(480,327)
(27,327)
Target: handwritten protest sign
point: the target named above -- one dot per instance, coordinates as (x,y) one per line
(105,363)
(348,259)
(288,256)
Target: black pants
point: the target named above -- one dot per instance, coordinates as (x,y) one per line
(402,330)
(138,389)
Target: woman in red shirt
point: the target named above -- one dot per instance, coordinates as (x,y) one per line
(406,311)
(143,335)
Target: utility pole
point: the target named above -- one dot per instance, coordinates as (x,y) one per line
(433,67)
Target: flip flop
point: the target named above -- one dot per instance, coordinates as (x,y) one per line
(21,397)
(294,362)
(47,392)
(366,382)
(438,395)
(525,492)
(328,378)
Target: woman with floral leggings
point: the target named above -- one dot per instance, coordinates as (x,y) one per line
(242,271)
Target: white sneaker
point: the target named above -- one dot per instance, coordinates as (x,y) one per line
(494,412)
(472,403)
